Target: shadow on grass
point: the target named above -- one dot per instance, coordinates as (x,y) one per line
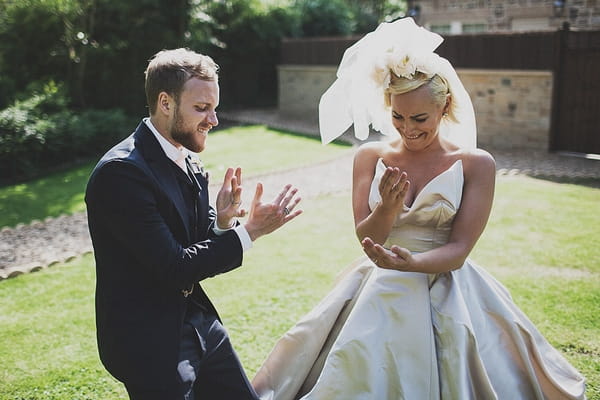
(581,181)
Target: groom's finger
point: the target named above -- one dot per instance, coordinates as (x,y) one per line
(238,175)
(294,203)
(291,216)
(282,194)
(228,176)
(286,200)
(258,193)
(236,192)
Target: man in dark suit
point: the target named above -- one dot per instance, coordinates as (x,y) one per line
(155,237)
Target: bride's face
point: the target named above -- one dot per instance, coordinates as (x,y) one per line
(416,116)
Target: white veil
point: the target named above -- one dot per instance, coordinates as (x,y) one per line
(356,97)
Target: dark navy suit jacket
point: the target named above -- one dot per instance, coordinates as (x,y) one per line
(145,256)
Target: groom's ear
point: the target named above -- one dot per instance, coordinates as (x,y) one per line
(164,104)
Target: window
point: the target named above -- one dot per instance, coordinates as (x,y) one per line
(474,28)
(441,29)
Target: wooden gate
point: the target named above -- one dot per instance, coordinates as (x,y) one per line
(576,105)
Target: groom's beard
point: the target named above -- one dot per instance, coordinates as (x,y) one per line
(192,138)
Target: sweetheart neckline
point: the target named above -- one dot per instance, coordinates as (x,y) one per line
(428,183)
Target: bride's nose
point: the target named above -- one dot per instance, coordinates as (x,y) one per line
(404,126)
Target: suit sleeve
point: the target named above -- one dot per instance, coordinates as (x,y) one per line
(131,215)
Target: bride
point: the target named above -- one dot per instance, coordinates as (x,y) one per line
(415,319)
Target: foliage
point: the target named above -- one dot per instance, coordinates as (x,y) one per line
(345,17)
(243,38)
(326,17)
(125,35)
(31,45)
(97,48)
(369,13)
(39,132)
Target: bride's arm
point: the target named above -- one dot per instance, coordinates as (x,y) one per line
(471,218)
(375,224)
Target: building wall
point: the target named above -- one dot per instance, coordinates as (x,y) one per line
(456,16)
(513,107)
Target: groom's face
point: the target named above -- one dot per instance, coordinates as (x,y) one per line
(195,114)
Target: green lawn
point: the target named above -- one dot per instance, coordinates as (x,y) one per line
(255,148)
(542,242)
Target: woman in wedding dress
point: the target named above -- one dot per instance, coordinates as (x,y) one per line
(415,319)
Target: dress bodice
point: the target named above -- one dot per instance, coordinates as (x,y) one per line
(428,222)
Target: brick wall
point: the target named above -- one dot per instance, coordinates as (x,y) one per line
(501,15)
(512,106)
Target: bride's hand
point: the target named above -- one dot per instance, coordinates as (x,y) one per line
(397,258)
(393,187)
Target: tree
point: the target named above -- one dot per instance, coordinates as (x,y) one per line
(243,36)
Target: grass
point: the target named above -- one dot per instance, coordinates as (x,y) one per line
(254,148)
(542,242)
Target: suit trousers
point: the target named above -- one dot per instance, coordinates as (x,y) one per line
(209,368)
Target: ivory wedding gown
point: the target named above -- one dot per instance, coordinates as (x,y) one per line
(383,334)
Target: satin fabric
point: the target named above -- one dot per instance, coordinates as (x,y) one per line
(382,334)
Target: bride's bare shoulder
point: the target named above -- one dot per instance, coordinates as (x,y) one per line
(478,161)
(370,152)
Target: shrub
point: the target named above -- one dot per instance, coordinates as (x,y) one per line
(40,133)
(326,17)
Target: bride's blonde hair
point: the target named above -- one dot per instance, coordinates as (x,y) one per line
(440,90)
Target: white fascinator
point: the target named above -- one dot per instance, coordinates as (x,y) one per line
(357,95)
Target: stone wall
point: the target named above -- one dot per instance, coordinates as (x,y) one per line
(513,107)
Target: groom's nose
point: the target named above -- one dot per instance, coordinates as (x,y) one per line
(212,118)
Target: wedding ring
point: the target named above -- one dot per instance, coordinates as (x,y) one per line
(235,203)
(286,210)
(374,261)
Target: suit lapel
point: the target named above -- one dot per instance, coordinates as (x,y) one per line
(161,168)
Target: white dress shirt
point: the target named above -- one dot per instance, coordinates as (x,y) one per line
(178,155)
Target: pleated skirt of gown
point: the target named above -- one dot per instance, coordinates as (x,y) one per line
(382,334)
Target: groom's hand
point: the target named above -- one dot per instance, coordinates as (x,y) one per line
(229,199)
(264,218)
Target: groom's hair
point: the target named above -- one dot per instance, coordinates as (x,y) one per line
(169,70)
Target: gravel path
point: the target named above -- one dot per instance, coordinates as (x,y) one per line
(31,247)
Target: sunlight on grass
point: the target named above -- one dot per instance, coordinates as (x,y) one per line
(257,149)
(56,194)
(542,223)
(284,276)
(47,336)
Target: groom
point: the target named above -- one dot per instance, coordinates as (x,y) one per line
(155,237)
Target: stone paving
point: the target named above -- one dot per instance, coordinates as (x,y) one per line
(40,244)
